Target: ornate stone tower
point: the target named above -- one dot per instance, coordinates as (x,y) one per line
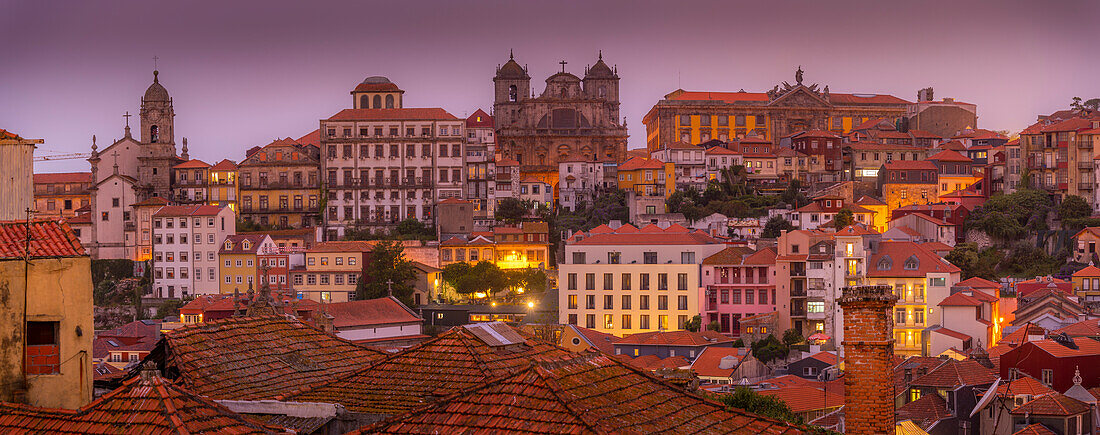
(157,140)
(600,81)
(868,347)
(513,86)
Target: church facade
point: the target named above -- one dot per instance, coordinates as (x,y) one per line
(695,117)
(129,171)
(572,118)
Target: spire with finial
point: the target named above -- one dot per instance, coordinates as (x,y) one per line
(127,116)
(511,56)
(1077,375)
(184,155)
(95,152)
(155,78)
(601,55)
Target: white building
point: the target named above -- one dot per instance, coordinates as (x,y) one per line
(580,180)
(186,240)
(113,223)
(382,165)
(537,191)
(628,280)
(690,163)
(719,159)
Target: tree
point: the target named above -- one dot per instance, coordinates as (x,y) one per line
(1076,104)
(694,324)
(792,336)
(843,218)
(759,404)
(387,264)
(775,226)
(713,326)
(413,229)
(1074,207)
(769,349)
(510,210)
(973,261)
(738,342)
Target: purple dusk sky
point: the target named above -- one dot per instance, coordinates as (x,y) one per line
(242,73)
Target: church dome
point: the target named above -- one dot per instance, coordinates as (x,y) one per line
(376,80)
(511,70)
(156,92)
(600,70)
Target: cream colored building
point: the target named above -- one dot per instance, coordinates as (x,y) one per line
(331,271)
(627,280)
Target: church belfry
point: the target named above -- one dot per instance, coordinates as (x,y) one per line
(157,115)
(512,86)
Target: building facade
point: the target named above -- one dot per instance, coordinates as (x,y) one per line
(186,240)
(736,283)
(331,271)
(239,262)
(280,186)
(481,164)
(382,166)
(60,195)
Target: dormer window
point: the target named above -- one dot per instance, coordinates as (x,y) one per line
(885,263)
(245,245)
(228,245)
(912,263)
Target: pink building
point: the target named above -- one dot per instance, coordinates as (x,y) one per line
(737,283)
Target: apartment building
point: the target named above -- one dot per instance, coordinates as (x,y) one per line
(279,184)
(222,185)
(189,182)
(331,271)
(921,280)
(825,145)
(481,164)
(955,171)
(186,240)
(737,283)
(240,265)
(824,208)
(689,161)
(580,180)
(1060,154)
(721,159)
(627,280)
(60,195)
(908,182)
(385,165)
(864,160)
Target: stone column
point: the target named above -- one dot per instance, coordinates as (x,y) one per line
(868,348)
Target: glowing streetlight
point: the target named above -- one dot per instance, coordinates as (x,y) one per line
(530,305)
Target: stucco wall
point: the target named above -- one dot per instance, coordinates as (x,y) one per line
(60,290)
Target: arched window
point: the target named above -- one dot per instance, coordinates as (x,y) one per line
(377,102)
(512,94)
(154,134)
(389,101)
(602,92)
(364,102)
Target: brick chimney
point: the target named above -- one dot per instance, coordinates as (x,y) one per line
(868,348)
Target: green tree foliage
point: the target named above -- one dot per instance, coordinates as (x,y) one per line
(408,229)
(794,196)
(775,226)
(1011,217)
(1074,207)
(975,262)
(843,218)
(759,404)
(792,336)
(170,308)
(510,210)
(769,349)
(387,262)
(245,226)
(694,324)
(738,342)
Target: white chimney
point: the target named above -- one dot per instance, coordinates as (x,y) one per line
(727,362)
(17,175)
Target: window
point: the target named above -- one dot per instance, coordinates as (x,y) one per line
(643,302)
(899,316)
(626,281)
(608,281)
(644,281)
(614,257)
(650,257)
(681,281)
(812,306)
(608,321)
(572,281)
(662,321)
(608,302)
(625,324)
(662,302)
(572,302)
(43,351)
(626,302)
(589,281)
(590,321)
(578,258)
(687,257)
(590,302)
(1048,377)
(681,302)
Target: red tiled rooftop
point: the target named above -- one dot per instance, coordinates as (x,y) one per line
(188,210)
(426,114)
(979,283)
(256,358)
(949,156)
(898,253)
(49,238)
(925,411)
(192,164)
(1023,385)
(371,312)
(578,394)
(601,341)
(637,163)
(479,119)
(62,177)
(953,373)
(807,398)
(1051,404)
(675,338)
(1035,429)
(709,362)
(224,165)
(960,300)
(1085,347)
(147,404)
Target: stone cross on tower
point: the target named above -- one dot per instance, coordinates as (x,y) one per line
(389,287)
(563,65)
(155,62)
(115,155)
(127,115)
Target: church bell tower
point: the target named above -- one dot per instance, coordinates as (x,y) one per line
(157,140)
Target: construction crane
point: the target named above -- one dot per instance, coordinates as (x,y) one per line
(69,156)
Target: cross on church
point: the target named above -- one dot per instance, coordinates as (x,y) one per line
(127,116)
(155,62)
(563,65)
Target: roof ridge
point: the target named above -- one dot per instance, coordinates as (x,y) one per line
(546,376)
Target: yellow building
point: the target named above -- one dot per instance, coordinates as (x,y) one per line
(189,182)
(1086,284)
(222,185)
(45,316)
(238,262)
(1087,241)
(650,177)
(881,212)
(921,280)
(332,271)
(509,247)
(279,184)
(60,195)
(908,182)
(955,171)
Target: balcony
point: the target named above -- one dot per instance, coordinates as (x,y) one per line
(798,292)
(280,185)
(798,312)
(812,315)
(1084,144)
(1085,186)
(190,183)
(1084,165)
(816,292)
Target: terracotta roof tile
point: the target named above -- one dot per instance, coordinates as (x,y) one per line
(256,358)
(578,394)
(925,411)
(379,311)
(426,114)
(915,365)
(224,165)
(898,253)
(451,362)
(709,362)
(143,404)
(344,246)
(479,119)
(1023,385)
(807,398)
(949,156)
(601,341)
(641,163)
(1051,404)
(676,338)
(952,333)
(311,138)
(960,300)
(49,238)
(63,177)
(188,210)
(192,164)
(730,255)
(1035,429)
(237,244)
(978,283)
(1084,328)
(1085,347)
(953,373)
